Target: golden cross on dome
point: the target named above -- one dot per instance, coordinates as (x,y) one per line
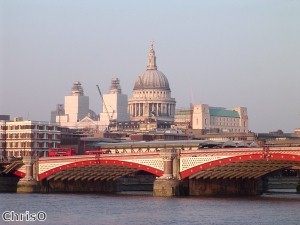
(152,43)
(151,58)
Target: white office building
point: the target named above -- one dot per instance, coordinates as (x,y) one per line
(226,120)
(205,117)
(20,137)
(75,113)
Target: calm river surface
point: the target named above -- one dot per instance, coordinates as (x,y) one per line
(141,208)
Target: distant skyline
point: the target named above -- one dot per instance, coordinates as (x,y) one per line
(222,53)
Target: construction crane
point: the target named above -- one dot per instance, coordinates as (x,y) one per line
(112,113)
(106,110)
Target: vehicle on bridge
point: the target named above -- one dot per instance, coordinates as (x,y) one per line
(97,152)
(228,144)
(54,152)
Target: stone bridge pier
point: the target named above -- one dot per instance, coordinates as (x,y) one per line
(28,184)
(168,184)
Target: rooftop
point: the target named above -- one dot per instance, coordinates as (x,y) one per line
(221,112)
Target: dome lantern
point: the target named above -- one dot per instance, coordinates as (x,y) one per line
(152,78)
(151,59)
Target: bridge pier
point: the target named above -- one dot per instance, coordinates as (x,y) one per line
(167,185)
(28,184)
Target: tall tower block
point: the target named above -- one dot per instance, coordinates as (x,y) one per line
(76,105)
(116,104)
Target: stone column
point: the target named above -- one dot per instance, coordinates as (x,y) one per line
(28,184)
(132,110)
(159,109)
(168,110)
(168,155)
(146,109)
(167,185)
(141,109)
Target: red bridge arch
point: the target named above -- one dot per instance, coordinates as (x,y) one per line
(240,158)
(149,169)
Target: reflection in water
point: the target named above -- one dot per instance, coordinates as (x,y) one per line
(142,208)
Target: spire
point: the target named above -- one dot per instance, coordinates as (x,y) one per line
(151,59)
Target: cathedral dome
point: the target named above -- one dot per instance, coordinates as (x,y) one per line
(152,78)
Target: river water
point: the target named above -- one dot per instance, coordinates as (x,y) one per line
(141,208)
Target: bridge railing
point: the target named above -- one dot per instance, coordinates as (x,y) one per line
(186,151)
(99,156)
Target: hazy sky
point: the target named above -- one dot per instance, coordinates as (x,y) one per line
(222,53)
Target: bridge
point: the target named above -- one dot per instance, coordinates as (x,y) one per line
(178,171)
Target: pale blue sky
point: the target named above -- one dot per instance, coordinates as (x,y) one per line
(222,53)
